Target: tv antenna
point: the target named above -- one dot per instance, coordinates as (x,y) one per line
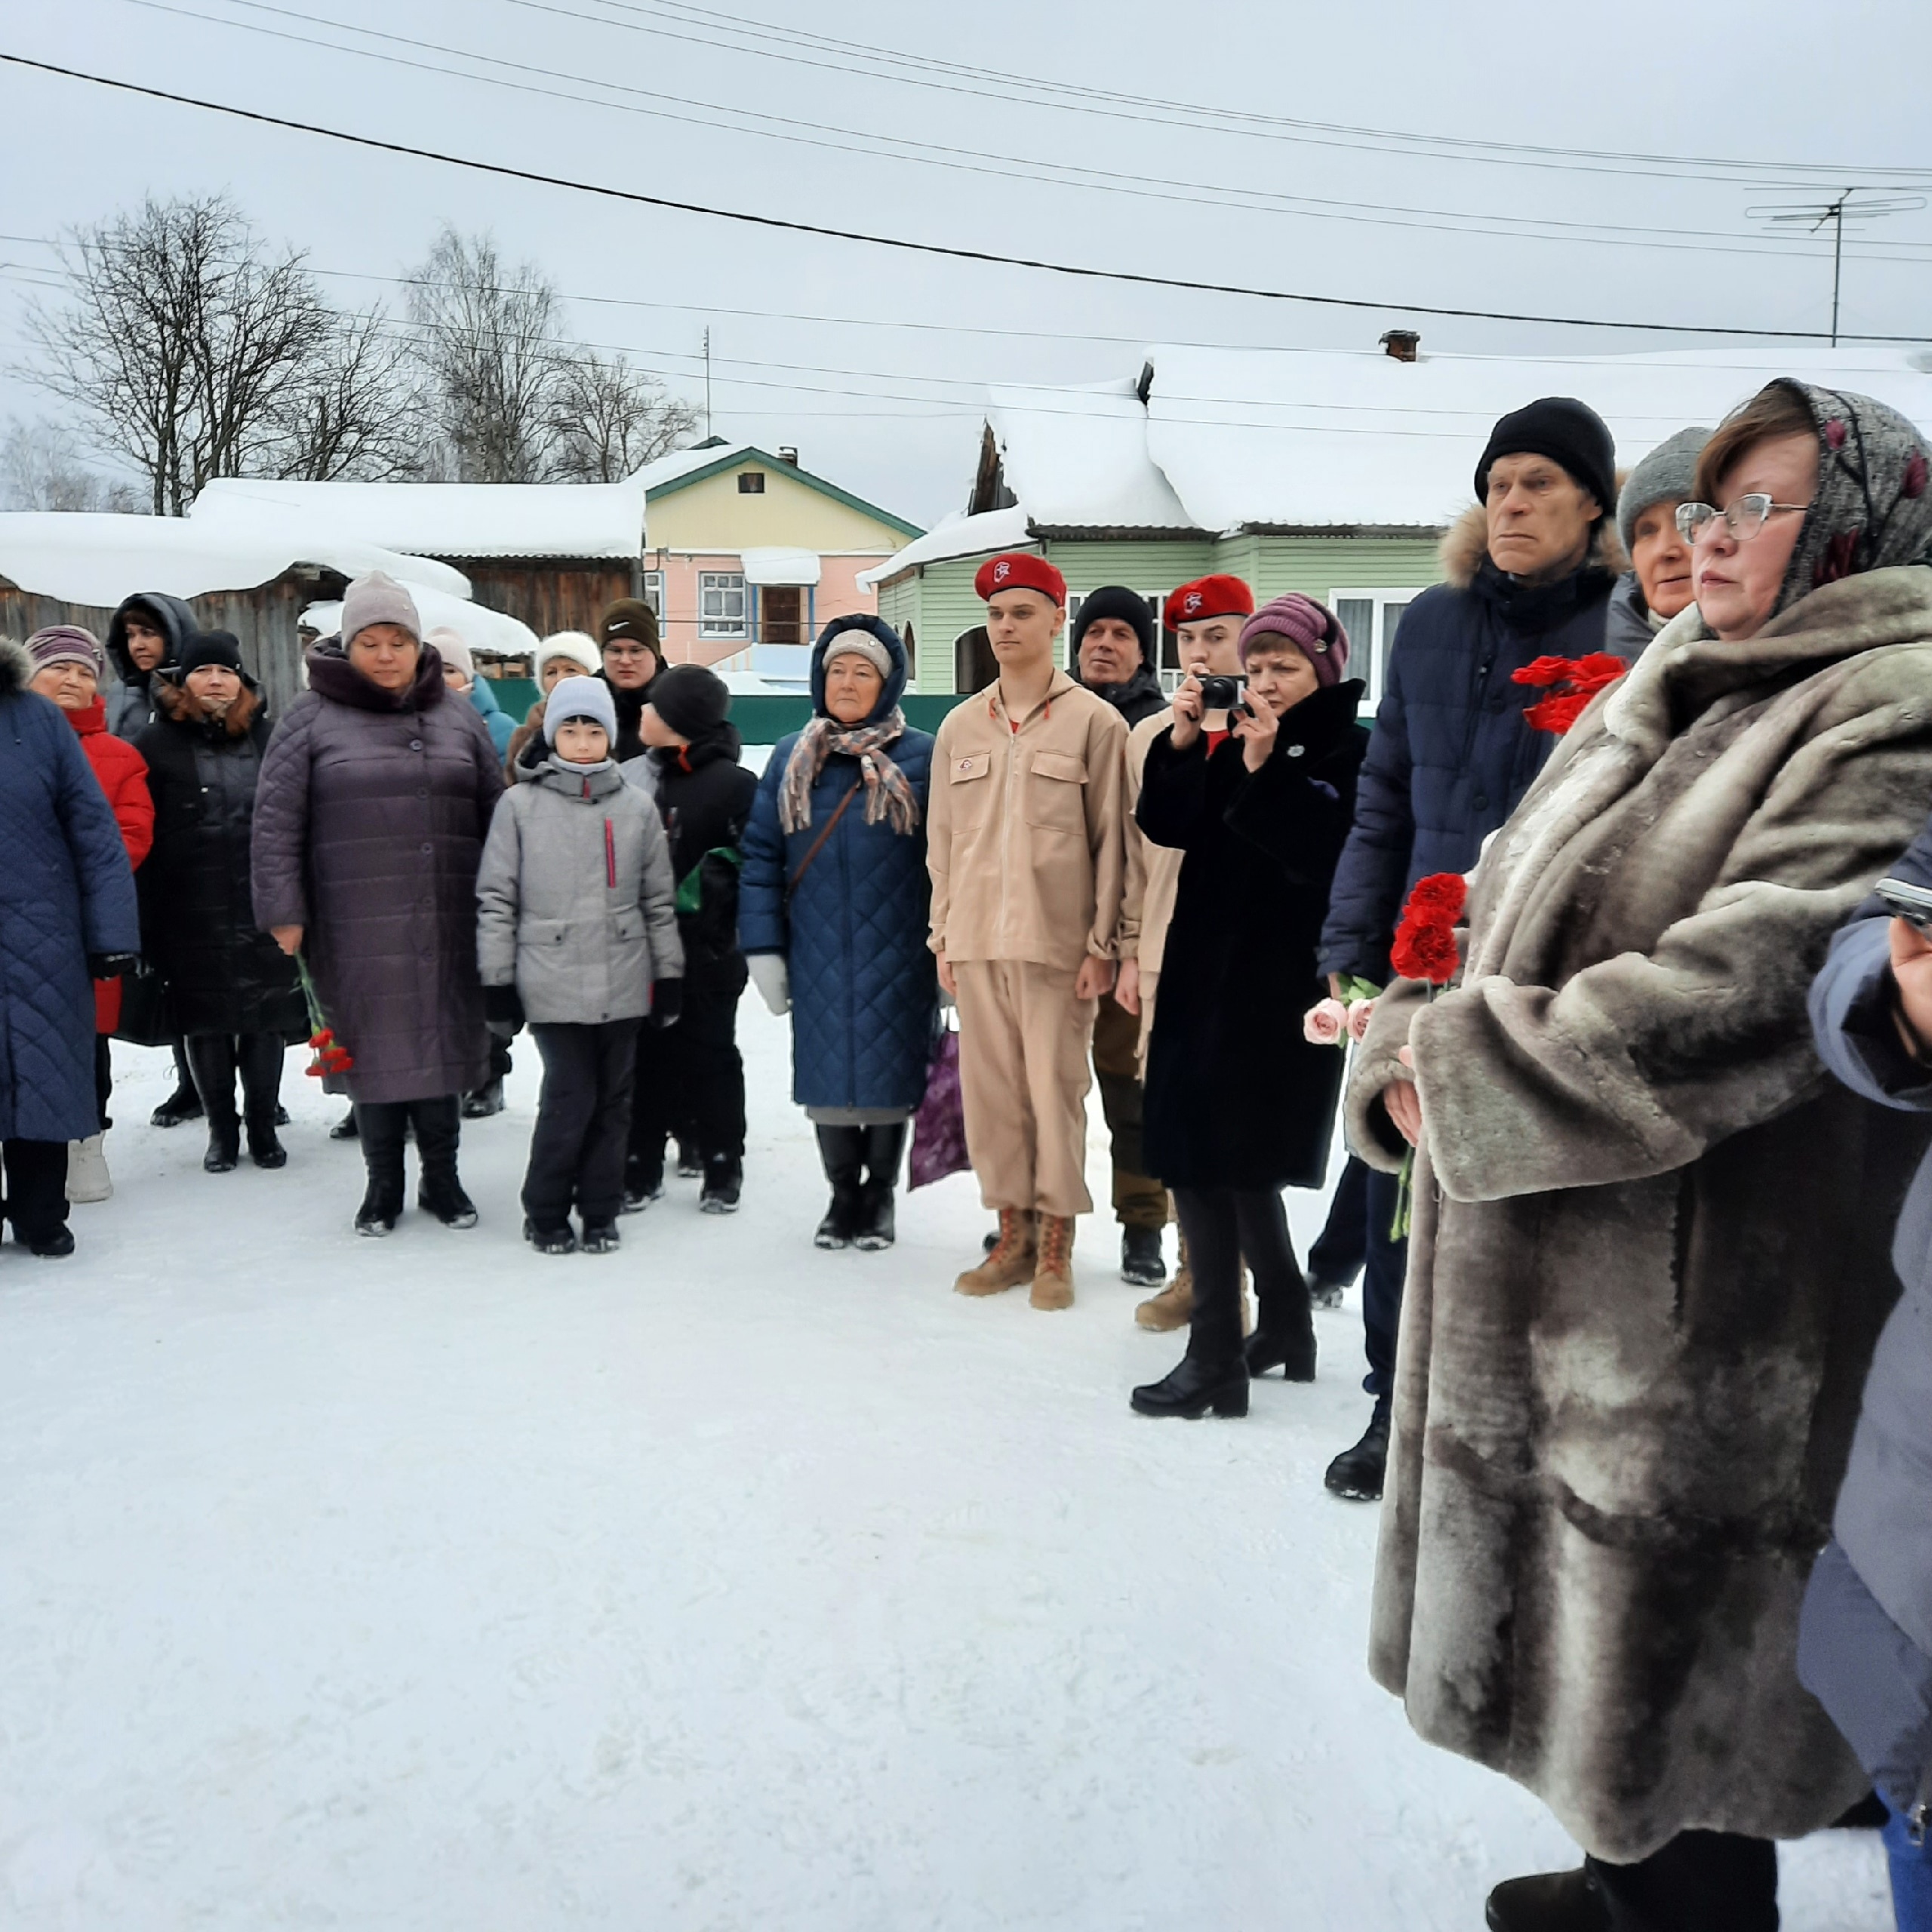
(1813,215)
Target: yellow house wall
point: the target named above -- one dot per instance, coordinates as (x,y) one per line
(714,515)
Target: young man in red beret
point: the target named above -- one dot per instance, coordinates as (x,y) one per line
(1025,847)
(1206,617)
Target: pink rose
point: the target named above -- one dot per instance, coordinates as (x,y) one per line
(1360,1013)
(1324,1025)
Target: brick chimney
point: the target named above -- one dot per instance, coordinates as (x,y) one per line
(791,457)
(1402,344)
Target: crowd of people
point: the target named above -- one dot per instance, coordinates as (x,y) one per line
(1622,1177)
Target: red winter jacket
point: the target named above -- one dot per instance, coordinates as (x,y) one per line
(123,773)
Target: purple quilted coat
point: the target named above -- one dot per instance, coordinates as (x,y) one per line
(370,820)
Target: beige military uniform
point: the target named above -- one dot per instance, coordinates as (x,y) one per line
(1025,844)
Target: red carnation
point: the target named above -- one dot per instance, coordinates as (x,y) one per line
(1425,947)
(1580,678)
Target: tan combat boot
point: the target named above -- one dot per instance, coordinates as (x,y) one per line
(1174,1307)
(1010,1265)
(1052,1279)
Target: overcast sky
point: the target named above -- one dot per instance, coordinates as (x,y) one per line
(857,127)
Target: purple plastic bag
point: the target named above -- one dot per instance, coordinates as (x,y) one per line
(939,1127)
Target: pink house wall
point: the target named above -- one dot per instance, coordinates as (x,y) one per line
(837,594)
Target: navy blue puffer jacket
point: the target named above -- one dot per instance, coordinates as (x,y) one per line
(1450,756)
(65,890)
(864,985)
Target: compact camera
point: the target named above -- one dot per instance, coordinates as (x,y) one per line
(1222,693)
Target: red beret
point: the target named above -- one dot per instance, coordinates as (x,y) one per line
(1020,570)
(1207,597)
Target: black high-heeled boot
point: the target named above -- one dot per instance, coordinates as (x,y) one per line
(885,1146)
(842,1149)
(1200,1385)
(379,1126)
(260,1056)
(438,1191)
(211,1058)
(1292,1352)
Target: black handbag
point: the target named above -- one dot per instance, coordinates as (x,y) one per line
(147,1013)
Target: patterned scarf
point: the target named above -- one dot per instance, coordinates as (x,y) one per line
(888,795)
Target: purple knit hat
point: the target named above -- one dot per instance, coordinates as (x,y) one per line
(67,644)
(1312,628)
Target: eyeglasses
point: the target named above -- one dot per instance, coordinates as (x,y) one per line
(1744,518)
(628,651)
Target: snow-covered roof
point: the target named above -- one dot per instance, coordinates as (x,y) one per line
(775,564)
(986,534)
(681,463)
(90,557)
(481,629)
(443,519)
(1080,456)
(1315,439)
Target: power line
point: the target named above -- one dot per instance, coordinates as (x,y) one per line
(949,251)
(1142,112)
(1006,167)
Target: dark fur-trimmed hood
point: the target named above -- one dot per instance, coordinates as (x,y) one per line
(1465,544)
(16,667)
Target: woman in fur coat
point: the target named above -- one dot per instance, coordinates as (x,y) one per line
(1649,1256)
(233,993)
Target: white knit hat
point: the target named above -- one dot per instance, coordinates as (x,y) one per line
(579,646)
(449,646)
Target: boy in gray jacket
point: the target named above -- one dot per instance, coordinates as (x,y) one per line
(578,933)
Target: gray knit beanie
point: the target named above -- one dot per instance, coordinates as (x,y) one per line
(67,644)
(580,698)
(1668,475)
(377,598)
(859,643)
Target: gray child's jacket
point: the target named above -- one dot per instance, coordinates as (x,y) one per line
(576,902)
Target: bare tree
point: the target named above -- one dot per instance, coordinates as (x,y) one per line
(41,468)
(354,412)
(184,347)
(609,420)
(486,339)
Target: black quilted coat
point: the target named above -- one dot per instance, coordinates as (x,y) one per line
(224,974)
(369,827)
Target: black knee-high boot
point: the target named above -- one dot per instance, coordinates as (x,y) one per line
(261,1057)
(211,1060)
(843,1151)
(438,1191)
(885,1146)
(380,1126)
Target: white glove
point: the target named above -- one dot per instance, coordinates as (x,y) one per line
(773,981)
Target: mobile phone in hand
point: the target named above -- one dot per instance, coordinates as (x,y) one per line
(1912,903)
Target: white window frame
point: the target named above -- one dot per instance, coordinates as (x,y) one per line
(653,594)
(1368,657)
(723,586)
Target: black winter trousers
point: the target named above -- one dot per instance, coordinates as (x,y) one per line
(1700,1881)
(1341,1246)
(690,1076)
(36,1184)
(583,1113)
(1382,1285)
(215,1059)
(1221,1225)
(103,1079)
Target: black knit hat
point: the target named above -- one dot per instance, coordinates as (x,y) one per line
(206,647)
(629,617)
(1112,601)
(693,701)
(1568,432)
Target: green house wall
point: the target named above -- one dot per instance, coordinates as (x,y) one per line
(938,601)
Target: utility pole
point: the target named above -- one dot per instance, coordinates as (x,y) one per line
(1837,220)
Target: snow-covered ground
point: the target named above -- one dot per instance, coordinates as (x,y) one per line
(718,1584)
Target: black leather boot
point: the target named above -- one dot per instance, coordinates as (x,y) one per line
(1201,1385)
(379,1126)
(211,1055)
(842,1149)
(1550,1902)
(1356,1474)
(184,1103)
(1292,1352)
(885,1147)
(438,1191)
(259,1055)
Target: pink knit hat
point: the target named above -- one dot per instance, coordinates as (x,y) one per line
(1312,628)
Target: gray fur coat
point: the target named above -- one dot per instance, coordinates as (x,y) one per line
(1649,1259)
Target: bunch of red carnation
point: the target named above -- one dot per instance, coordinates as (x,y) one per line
(1425,947)
(331,1056)
(1570,683)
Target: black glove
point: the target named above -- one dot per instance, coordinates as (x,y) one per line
(501,1006)
(667,1001)
(111,965)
